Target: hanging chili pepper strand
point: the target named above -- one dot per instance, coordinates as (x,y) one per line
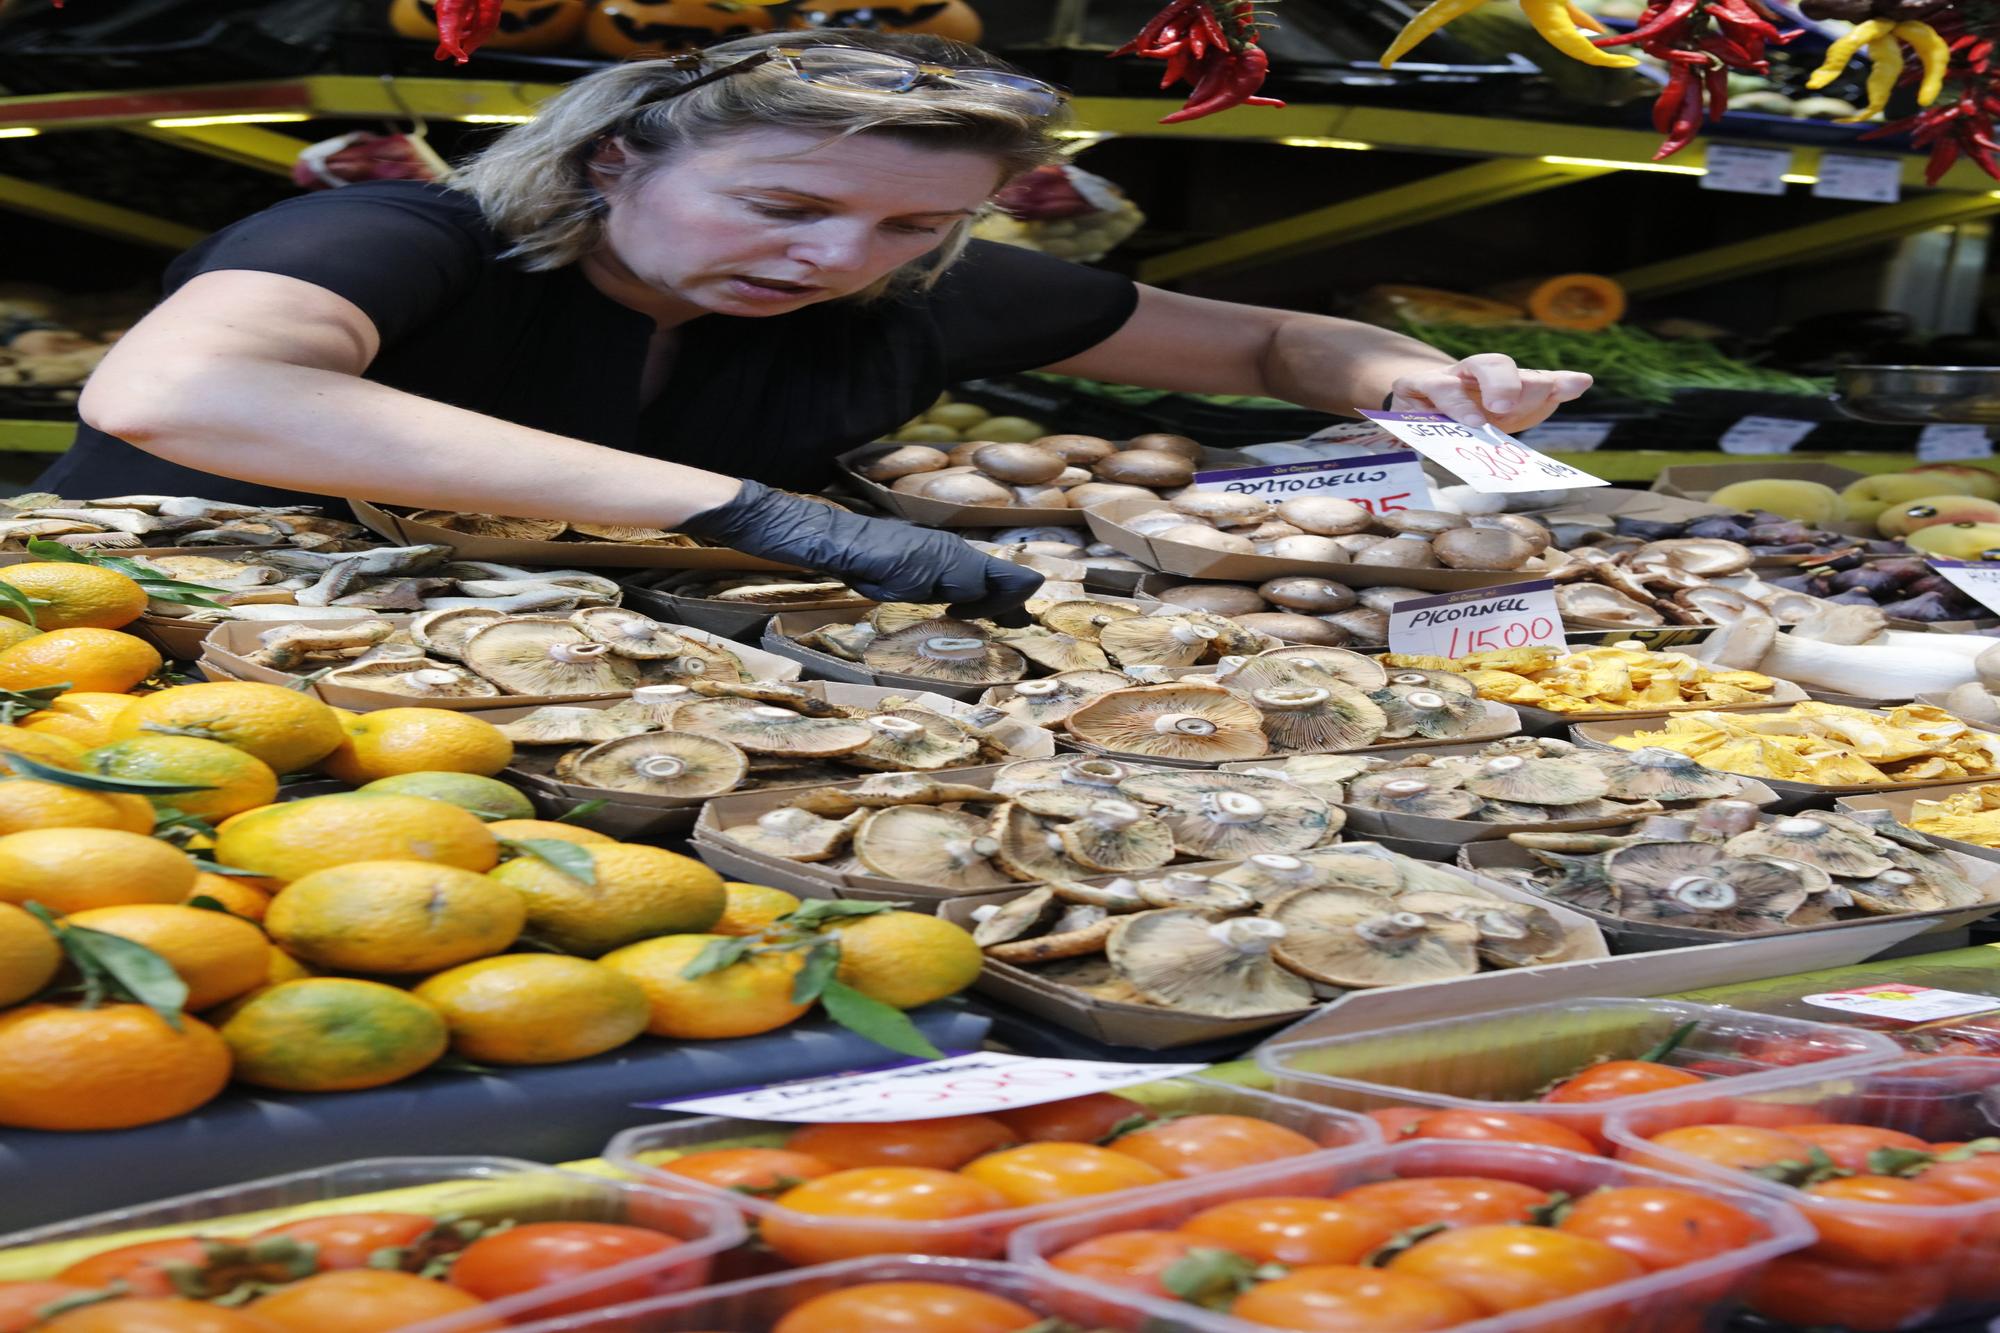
(1961,125)
(1701,41)
(1211,44)
(464,26)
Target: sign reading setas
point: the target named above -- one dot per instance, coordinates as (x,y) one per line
(1482,620)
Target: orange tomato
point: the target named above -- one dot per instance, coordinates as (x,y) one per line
(1512,1267)
(943,1145)
(748,1170)
(1810,1292)
(1198,1145)
(908,1198)
(1662,1228)
(1079,1120)
(907,1307)
(541,1254)
(155,1315)
(1047,1172)
(1295,1230)
(365,1300)
(1890,1238)
(1336,1298)
(144,1268)
(1850,1145)
(1500,1127)
(1453,1201)
(1133,1260)
(351,1240)
(1975,1178)
(1741,1147)
(1620,1078)
(22,1303)
(1398,1121)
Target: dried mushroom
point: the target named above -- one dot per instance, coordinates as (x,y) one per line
(1349,937)
(1189,720)
(667,763)
(921,844)
(1184,961)
(547,658)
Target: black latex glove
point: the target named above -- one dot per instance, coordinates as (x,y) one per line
(881,559)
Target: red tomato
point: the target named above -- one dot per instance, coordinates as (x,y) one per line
(1740,1147)
(748,1170)
(144,1268)
(907,1307)
(1333,1298)
(1295,1231)
(541,1254)
(351,1240)
(1198,1145)
(22,1303)
(1850,1145)
(1971,1178)
(942,1145)
(1882,1238)
(1500,1127)
(1398,1121)
(1078,1120)
(1511,1268)
(910,1200)
(1620,1078)
(1133,1260)
(1812,1292)
(1662,1228)
(1454,1201)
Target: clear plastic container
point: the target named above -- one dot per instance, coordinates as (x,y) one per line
(757,1304)
(640,1150)
(1875,1266)
(486,1189)
(1504,1061)
(1680,1300)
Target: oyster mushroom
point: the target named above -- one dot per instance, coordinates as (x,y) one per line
(1175,641)
(1117,837)
(542,657)
(1547,781)
(1427,711)
(1662,775)
(1813,842)
(662,763)
(444,633)
(1350,937)
(1186,720)
(1029,848)
(1413,792)
(420,678)
(766,729)
(794,835)
(1184,961)
(1594,601)
(1228,815)
(1697,884)
(945,650)
(1029,915)
(557,725)
(1318,718)
(1046,702)
(1084,619)
(914,738)
(921,844)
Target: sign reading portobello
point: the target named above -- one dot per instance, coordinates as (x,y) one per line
(1380,483)
(1482,620)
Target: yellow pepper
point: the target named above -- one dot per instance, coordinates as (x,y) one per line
(1583,18)
(1552,20)
(1887,55)
(1934,51)
(1843,50)
(1433,17)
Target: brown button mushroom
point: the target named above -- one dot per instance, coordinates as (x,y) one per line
(1527,529)
(1482,548)
(1082,450)
(1293,628)
(966,488)
(1421,522)
(1296,592)
(1325,550)
(1398,553)
(1222,599)
(1326,516)
(1223,507)
(903,461)
(1140,467)
(960,455)
(1364,623)
(1091,494)
(1018,464)
(1179,445)
(1193,534)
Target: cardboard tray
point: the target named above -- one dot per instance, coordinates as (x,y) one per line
(940,514)
(223,658)
(1700,480)
(1152,1028)
(1900,803)
(1541,720)
(1617,502)
(562,555)
(655,595)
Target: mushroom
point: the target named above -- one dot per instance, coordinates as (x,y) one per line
(1187,720)
(544,657)
(443,633)
(1029,848)
(420,678)
(1084,619)
(1350,937)
(1655,773)
(886,789)
(287,646)
(1594,601)
(794,835)
(921,844)
(1428,711)
(1426,523)
(907,460)
(1398,553)
(1209,539)
(768,729)
(1510,934)
(1224,507)
(1093,494)
(945,650)
(1311,596)
(1019,464)
(1056,652)
(1048,701)
(1222,599)
(1318,718)
(1417,791)
(847,642)
(1226,815)
(1326,516)
(1117,837)
(1287,627)
(1698,885)
(502,526)
(1079,932)
(1268,875)
(1323,550)
(662,763)
(1482,548)
(1706,556)
(1813,842)
(1365,624)
(1176,641)
(628,633)
(915,738)
(1304,666)
(1029,915)
(1527,529)
(1078,449)
(557,725)
(1182,960)
(966,488)
(1178,445)
(1144,467)
(1513,777)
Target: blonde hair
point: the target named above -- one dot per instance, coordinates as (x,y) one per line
(534,184)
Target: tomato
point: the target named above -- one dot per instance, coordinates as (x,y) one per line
(1975,1273)
(1811,1292)
(351,1240)
(1078,1120)
(1398,1121)
(1198,1145)
(1971,1178)
(1133,1260)
(748,1170)
(365,1300)
(1740,1147)
(943,1145)
(1511,1267)
(21,1303)
(1850,1145)
(1295,1230)
(898,1204)
(1500,1127)
(145,1268)
(1662,1228)
(1620,1078)
(1454,1201)
(907,1307)
(1046,1172)
(157,1315)
(542,1254)
(1335,1298)
(1882,1238)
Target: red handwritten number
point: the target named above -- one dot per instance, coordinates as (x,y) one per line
(1493,638)
(1383,504)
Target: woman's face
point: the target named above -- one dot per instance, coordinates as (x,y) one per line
(768,221)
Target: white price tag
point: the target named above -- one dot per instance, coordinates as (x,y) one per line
(1742,170)
(1910,1004)
(1944,442)
(976,1084)
(1484,457)
(1766,435)
(1865,177)
(1483,620)
(1977,579)
(1567,437)
(1382,483)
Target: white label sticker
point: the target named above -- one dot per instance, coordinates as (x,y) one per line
(1485,458)
(1382,483)
(1944,442)
(1742,170)
(1865,177)
(1484,620)
(1910,1004)
(1766,435)
(976,1084)
(1567,437)
(1977,579)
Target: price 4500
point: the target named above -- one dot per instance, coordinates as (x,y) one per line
(1492,638)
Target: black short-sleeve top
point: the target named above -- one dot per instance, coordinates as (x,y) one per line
(774,398)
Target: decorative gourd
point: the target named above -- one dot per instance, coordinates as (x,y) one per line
(525,25)
(939,18)
(1583,302)
(623,29)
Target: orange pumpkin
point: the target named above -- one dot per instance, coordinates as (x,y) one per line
(525,25)
(623,29)
(940,18)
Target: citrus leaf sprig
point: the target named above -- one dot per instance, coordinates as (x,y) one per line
(569,858)
(158,586)
(16,704)
(67,777)
(115,968)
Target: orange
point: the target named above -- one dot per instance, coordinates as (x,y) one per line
(333,1034)
(288,730)
(1046,1172)
(29,955)
(76,594)
(908,1307)
(489,798)
(98,660)
(522,829)
(16,631)
(166,1314)
(750,909)
(84,716)
(295,838)
(26,803)
(536,1009)
(905,958)
(640,893)
(73,869)
(900,1205)
(240,896)
(741,1000)
(416,740)
(110,1068)
(365,1300)
(394,916)
(40,746)
(236,781)
(217,955)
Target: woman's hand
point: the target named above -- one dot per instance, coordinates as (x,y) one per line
(1489,388)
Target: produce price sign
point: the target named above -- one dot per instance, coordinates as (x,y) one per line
(1380,483)
(1977,579)
(1484,620)
(1485,458)
(977,1084)
(1910,1004)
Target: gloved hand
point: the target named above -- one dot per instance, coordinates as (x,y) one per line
(878,558)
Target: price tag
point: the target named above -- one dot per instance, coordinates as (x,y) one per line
(1944,442)
(1742,170)
(1382,483)
(976,1084)
(1910,1004)
(1567,437)
(1485,458)
(1977,579)
(1765,435)
(1483,620)
(1868,178)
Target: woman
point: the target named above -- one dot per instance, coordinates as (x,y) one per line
(684,272)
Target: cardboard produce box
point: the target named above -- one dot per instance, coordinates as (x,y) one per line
(404,531)
(1901,803)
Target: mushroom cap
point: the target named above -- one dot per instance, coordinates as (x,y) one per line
(1655,773)
(1428,711)
(415,678)
(1297,546)
(1223,507)
(922,844)
(1181,960)
(1421,522)
(1706,556)
(1117,837)
(662,763)
(1019,464)
(1814,842)
(1512,777)
(1324,775)
(914,738)
(1084,619)
(1092,494)
(628,633)
(555,724)
(954,651)
(1029,847)
(1113,895)
(1365,624)
(1290,627)
(1482,548)
(1222,599)
(1269,875)
(1157,641)
(1048,701)
(889,617)
(1350,937)
(699,659)
(1699,885)
(1162,442)
(1029,915)
(1080,449)
(1079,932)
(1597,602)
(502,526)
(525,655)
(1520,525)
(1056,652)
(903,461)
(846,642)
(1229,815)
(1210,539)
(1413,792)
(1101,776)
(1196,892)
(1298,592)
(1187,720)
(1142,467)
(793,835)
(1305,666)
(1326,516)
(443,633)
(1511,934)
(1318,719)
(1397,553)
(766,729)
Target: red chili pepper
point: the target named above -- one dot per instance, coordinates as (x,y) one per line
(1676,13)
(1170,17)
(1230,81)
(1687,122)
(1668,104)
(1718,92)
